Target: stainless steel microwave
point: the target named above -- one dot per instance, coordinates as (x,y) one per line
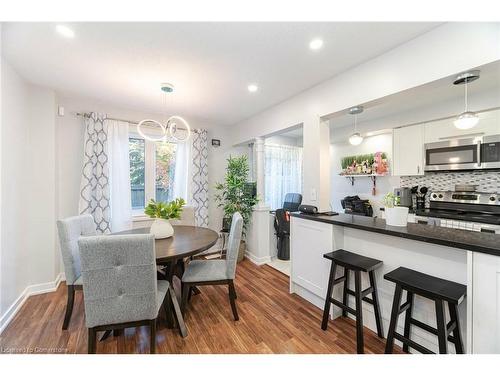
(463,154)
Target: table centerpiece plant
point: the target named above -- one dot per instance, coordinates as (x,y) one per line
(162,212)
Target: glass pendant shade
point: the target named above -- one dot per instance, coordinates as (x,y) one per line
(466,120)
(355,139)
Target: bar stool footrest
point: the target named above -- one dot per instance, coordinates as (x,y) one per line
(412,344)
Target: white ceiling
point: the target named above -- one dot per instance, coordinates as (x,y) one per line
(210,64)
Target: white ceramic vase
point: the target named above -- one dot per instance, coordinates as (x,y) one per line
(161,228)
(396,216)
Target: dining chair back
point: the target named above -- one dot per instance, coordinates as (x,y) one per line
(233,245)
(70,230)
(119,278)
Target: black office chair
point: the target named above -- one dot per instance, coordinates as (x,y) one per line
(292,201)
(282,227)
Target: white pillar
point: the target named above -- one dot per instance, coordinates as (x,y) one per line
(316,161)
(259,173)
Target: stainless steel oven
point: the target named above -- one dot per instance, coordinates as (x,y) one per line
(454,154)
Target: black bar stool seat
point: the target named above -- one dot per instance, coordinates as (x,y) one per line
(431,287)
(356,263)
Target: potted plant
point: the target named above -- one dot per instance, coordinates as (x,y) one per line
(395,215)
(162,212)
(234,195)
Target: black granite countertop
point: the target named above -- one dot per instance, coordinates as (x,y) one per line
(458,238)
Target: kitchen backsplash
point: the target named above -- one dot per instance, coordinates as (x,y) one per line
(487,181)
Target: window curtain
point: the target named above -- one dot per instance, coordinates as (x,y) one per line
(119,173)
(191,174)
(105,182)
(199,176)
(283,173)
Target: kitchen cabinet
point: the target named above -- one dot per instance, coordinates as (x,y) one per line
(485,303)
(408,151)
(442,130)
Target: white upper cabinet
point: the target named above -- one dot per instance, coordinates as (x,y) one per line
(442,130)
(408,151)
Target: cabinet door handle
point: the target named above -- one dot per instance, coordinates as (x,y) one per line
(418,169)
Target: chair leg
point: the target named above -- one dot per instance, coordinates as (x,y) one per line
(457,334)
(152,334)
(441,327)
(345,297)
(69,306)
(190,293)
(376,305)
(185,296)
(232,300)
(396,303)
(407,331)
(92,342)
(326,309)
(359,313)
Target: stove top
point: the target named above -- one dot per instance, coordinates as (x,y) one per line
(487,218)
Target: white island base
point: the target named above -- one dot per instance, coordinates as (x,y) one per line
(479,314)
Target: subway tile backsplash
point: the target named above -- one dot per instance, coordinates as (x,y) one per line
(487,181)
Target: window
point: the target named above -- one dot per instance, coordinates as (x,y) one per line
(152,171)
(283,173)
(137,169)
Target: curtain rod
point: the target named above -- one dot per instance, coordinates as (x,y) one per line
(87,115)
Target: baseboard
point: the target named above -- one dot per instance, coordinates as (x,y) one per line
(256,260)
(31,290)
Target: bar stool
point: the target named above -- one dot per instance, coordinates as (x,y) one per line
(436,289)
(356,263)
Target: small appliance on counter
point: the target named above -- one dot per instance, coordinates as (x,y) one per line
(404,195)
(354,205)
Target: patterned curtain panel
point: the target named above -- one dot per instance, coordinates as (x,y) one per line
(95,187)
(199,185)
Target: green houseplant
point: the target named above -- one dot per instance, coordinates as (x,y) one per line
(234,195)
(162,212)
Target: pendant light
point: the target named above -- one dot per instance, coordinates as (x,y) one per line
(174,128)
(355,139)
(467,119)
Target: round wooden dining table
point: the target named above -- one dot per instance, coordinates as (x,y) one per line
(171,252)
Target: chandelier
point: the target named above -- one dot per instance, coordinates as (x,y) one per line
(174,128)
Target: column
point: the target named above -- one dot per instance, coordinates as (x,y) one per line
(316,163)
(259,172)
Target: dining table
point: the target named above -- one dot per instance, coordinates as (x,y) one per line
(171,254)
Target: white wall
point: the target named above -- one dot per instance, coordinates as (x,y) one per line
(341,186)
(28,194)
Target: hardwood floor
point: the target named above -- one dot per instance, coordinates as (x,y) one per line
(271,321)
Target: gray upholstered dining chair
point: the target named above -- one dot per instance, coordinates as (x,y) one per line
(70,230)
(119,284)
(218,271)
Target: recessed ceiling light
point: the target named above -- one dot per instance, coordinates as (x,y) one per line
(65,31)
(252,87)
(316,44)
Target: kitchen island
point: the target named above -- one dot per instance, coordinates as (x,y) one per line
(466,257)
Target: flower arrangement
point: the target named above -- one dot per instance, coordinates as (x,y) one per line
(365,164)
(164,210)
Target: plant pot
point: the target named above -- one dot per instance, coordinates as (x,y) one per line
(396,216)
(161,228)
(241,251)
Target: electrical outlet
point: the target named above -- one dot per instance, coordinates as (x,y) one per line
(314,195)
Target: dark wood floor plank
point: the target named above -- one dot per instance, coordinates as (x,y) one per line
(271,321)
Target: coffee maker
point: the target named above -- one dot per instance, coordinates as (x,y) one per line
(404,195)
